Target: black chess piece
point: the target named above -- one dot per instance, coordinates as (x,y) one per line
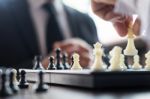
(23,83)
(37,63)
(12,85)
(65,61)
(5,88)
(72,60)
(59,64)
(51,65)
(41,86)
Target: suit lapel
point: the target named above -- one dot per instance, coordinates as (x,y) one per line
(20,10)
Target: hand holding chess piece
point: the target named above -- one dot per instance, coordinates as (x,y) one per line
(147,61)
(98,62)
(105,9)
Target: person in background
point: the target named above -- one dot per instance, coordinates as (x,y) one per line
(38,27)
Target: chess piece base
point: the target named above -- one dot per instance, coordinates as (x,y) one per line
(44,88)
(24,86)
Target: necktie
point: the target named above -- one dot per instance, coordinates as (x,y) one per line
(53,32)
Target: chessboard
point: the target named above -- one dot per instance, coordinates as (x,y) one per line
(91,79)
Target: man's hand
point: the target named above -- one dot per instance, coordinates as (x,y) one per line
(76,45)
(105,10)
(73,45)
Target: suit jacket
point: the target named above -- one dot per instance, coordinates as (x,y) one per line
(18,41)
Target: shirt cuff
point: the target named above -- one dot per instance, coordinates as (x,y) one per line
(125,7)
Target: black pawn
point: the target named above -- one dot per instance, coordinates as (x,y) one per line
(13,86)
(5,89)
(65,61)
(37,63)
(41,86)
(23,83)
(51,65)
(59,65)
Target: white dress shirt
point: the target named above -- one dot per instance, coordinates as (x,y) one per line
(40,17)
(139,7)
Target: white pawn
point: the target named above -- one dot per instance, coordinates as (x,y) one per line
(98,64)
(136,65)
(147,62)
(76,65)
(122,64)
(15,77)
(115,59)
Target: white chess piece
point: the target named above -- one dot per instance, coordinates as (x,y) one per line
(15,77)
(122,64)
(130,49)
(136,65)
(115,59)
(98,64)
(76,65)
(147,61)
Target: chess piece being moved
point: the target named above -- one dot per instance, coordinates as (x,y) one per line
(98,62)
(41,86)
(59,64)
(130,49)
(51,65)
(5,88)
(23,83)
(14,87)
(147,61)
(76,65)
(65,61)
(115,59)
(122,62)
(38,64)
(136,65)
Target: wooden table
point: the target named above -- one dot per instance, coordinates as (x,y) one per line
(61,92)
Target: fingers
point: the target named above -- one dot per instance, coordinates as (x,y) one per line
(76,45)
(85,60)
(121,28)
(136,26)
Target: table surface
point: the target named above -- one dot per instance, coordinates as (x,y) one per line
(61,92)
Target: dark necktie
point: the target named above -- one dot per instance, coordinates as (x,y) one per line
(53,32)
